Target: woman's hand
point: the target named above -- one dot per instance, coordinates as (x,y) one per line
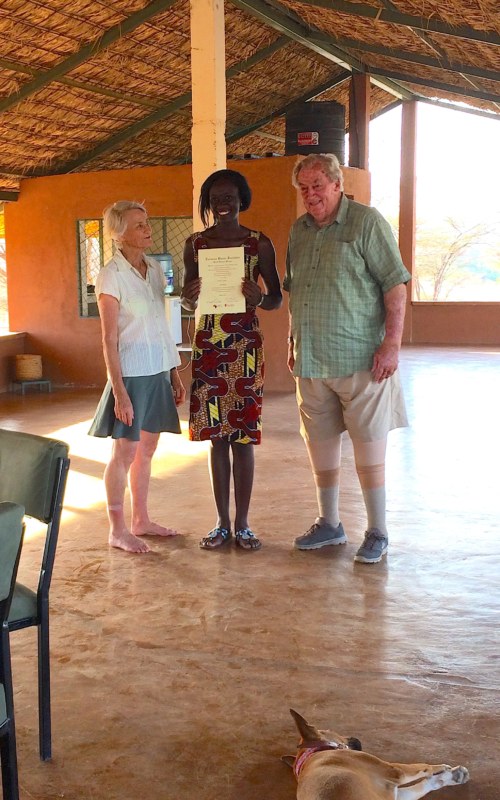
(123,407)
(290,357)
(191,291)
(177,387)
(252,292)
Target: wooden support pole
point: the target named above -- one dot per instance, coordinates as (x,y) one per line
(359,120)
(407,199)
(208,56)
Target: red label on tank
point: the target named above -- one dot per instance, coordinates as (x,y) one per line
(307,138)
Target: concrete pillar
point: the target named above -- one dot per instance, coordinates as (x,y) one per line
(407,199)
(359,120)
(208,57)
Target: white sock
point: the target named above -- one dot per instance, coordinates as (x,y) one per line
(328,504)
(375,508)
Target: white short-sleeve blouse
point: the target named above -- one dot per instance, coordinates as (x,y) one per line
(145,344)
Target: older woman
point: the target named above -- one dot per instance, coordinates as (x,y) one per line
(143,388)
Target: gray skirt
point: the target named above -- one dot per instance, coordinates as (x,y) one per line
(154,407)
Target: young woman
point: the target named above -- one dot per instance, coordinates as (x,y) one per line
(228,358)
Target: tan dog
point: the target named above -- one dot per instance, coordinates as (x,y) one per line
(331,767)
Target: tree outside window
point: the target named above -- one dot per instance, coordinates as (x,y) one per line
(457,253)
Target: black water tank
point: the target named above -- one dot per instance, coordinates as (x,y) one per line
(316,127)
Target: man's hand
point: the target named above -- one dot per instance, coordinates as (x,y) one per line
(385,361)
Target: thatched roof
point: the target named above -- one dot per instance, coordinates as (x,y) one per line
(93,85)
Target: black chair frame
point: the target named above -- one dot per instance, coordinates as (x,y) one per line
(41,620)
(36,479)
(8,749)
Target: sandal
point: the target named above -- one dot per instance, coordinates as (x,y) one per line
(216,538)
(247,540)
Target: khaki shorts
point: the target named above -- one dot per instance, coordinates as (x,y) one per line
(355,403)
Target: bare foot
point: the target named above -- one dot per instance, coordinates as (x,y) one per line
(152,529)
(126,541)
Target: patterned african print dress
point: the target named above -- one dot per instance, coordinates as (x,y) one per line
(228,367)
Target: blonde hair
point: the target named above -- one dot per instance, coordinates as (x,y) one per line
(327,162)
(115,223)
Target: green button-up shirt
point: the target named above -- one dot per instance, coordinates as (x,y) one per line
(336,277)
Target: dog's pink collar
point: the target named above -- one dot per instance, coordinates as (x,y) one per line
(307,753)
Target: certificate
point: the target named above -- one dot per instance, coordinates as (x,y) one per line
(221,270)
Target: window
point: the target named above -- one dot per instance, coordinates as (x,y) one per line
(457,254)
(95,249)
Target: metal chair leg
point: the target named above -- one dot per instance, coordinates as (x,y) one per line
(9,764)
(44,717)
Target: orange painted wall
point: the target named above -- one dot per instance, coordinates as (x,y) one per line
(42,264)
(455,323)
(40,233)
(42,257)
(11,345)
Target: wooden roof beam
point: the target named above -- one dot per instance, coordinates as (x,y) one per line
(288,23)
(417,58)
(436,49)
(430,25)
(7,196)
(158,115)
(87,52)
(254,126)
(317,90)
(489,97)
(92,88)
(452,106)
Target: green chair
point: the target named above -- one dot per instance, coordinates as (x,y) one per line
(33,472)
(11,538)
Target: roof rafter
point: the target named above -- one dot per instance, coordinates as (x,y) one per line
(444,87)
(418,58)
(451,106)
(92,88)
(158,115)
(430,25)
(288,23)
(427,41)
(87,52)
(317,90)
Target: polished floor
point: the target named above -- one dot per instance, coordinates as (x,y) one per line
(173,672)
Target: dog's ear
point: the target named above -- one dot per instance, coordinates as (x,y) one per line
(308,732)
(353,743)
(288,760)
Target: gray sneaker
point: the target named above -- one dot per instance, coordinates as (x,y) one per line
(373,547)
(319,535)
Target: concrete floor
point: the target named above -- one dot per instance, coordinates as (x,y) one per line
(173,672)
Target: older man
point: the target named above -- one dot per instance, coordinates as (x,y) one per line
(347,297)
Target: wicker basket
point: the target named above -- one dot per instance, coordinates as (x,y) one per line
(28,367)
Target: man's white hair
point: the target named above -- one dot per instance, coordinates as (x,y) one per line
(327,163)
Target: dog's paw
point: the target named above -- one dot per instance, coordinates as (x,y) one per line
(460,774)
